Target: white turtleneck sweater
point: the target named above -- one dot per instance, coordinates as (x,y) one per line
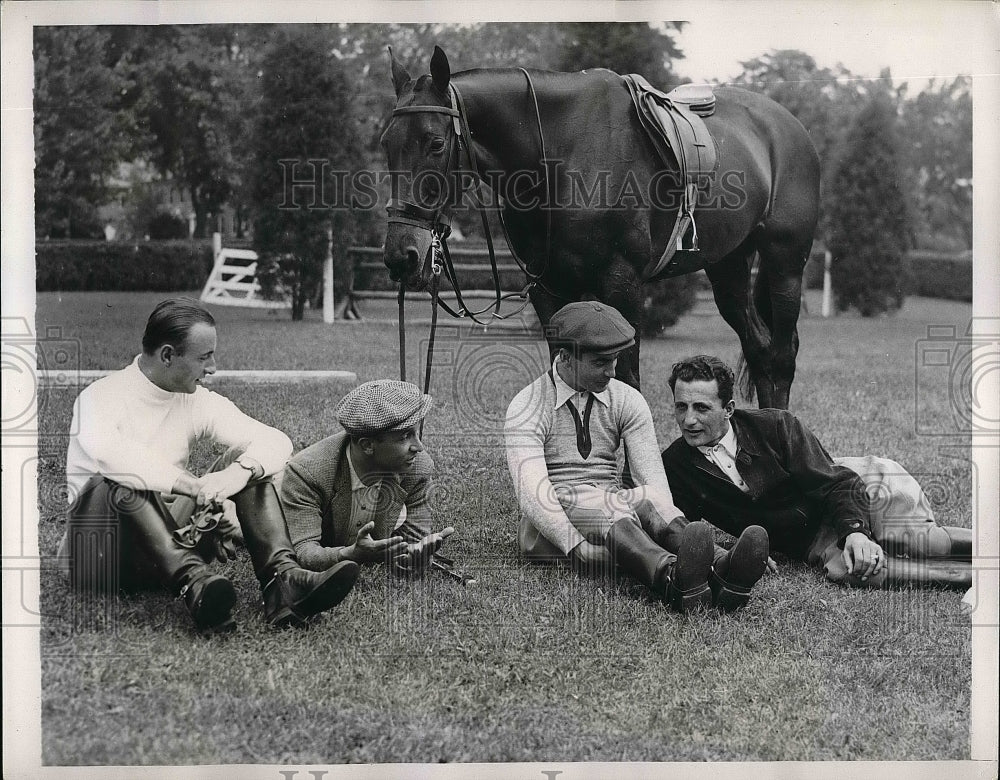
(127,429)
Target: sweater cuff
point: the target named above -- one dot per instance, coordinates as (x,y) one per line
(316,557)
(571,542)
(852,525)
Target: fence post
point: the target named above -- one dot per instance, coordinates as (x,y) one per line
(216,244)
(827,283)
(328,313)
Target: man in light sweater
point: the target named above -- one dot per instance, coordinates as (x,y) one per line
(130,491)
(362,494)
(563,436)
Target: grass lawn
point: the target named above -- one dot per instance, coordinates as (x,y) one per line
(535,664)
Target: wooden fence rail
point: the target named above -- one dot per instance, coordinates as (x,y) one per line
(467,260)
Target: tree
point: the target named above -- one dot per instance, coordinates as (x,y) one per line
(304,129)
(195,83)
(869,228)
(810,92)
(624,47)
(80,134)
(937,153)
(825,100)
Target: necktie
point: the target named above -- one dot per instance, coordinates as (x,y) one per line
(583,443)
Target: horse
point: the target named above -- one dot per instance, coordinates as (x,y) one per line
(540,133)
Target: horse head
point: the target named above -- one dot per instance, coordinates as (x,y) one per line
(421,145)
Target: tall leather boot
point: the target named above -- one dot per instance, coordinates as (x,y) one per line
(682,579)
(902,572)
(917,572)
(736,571)
(291,594)
(961,543)
(667,533)
(143,519)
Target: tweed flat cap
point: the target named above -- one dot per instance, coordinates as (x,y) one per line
(382,405)
(593,326)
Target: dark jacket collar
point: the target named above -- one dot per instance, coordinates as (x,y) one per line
(746,439)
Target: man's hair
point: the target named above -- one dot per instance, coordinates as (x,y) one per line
(171,321)
(705,368)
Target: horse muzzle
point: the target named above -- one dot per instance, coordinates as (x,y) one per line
(408,241)
(407,261)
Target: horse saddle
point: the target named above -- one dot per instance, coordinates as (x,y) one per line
(672,120)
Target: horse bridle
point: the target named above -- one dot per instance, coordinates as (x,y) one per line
(406,213)
(438,224)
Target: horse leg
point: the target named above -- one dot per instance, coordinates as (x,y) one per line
(778,298)
(622,289)
(545,305)
(730,280)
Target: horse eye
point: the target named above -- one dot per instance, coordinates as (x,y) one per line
(437,146)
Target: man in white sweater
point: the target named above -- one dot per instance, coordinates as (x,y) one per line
(132,497)
(563,435)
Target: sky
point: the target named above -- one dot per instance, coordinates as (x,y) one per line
(916,40)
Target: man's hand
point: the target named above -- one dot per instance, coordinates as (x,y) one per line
(862,557)
(368,550)
(591,560)
(217,486)
(417,555)
(229,525)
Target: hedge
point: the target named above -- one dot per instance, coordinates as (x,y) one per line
(930,274)
(146,266)
(937,275)
(168,266)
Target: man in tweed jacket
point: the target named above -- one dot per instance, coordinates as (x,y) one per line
(362,494)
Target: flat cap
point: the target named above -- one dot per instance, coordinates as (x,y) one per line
(593,326)
(382,405)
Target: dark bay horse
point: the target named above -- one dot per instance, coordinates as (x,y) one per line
(589,221)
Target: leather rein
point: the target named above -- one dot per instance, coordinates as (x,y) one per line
(439,225)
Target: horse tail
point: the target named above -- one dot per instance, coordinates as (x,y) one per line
(760,306)
(744,381)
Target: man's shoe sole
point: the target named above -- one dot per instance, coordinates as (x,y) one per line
(695,554)
(211,612)
(337,583)
(747,564)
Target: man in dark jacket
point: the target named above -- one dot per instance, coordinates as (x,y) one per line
(735,468)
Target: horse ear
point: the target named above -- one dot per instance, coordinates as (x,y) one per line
(440,70)
(400,78)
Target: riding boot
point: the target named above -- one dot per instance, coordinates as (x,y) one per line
(736,571)
(667,534)
(291,594)
(901,572)
(961,543)
(143,520)
(682,579)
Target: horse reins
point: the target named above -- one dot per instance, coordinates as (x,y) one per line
(439,225)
